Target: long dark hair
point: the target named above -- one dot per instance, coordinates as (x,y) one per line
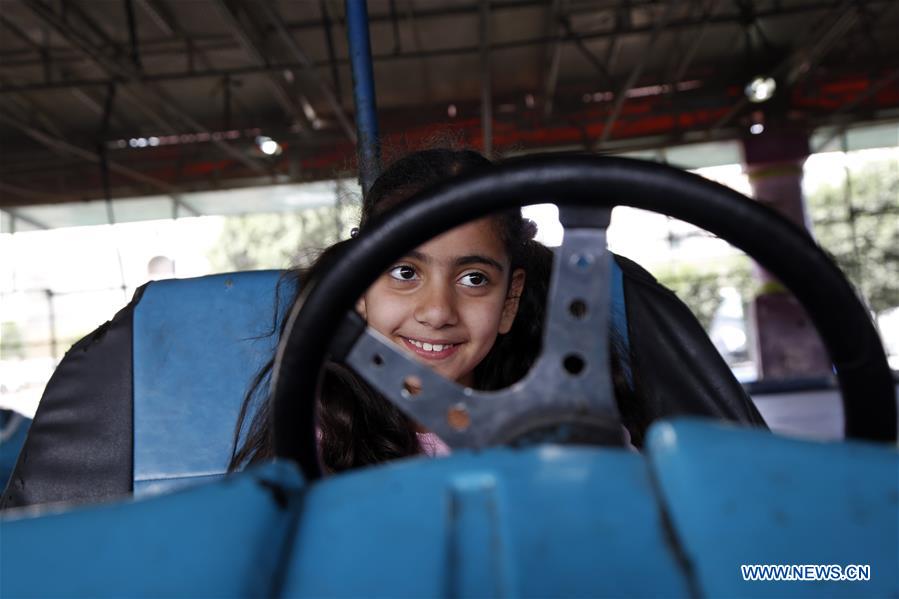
(357,425)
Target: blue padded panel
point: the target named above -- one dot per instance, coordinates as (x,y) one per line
(220,540)
(197,345)
(544,521)
(742,496)
(538,522)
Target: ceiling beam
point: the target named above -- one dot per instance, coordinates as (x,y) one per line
(553,57)
(42,50)
(30,194)
(687,58)
(225,42)
(486,80)
(163,18)
(16,215)
(239,19)
(395,25)
(601,68)
(329,41)
(628,29)
(621,94)
(21,34)
(425,71)
(82,96)
(873,90)
(64,28)
(34,110)
(129,74)
(714,21)
(133,39)
(67,147)
(622,23)
(300,56)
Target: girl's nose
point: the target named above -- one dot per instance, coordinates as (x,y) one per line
(436,306)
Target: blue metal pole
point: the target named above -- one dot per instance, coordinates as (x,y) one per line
(369,144)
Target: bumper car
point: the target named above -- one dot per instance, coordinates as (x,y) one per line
(541,497)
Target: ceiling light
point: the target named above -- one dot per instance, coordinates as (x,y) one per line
(761,89)
(268,145)
(756,128)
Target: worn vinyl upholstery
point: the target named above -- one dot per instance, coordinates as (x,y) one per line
(79,446)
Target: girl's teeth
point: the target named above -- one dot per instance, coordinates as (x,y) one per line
(435,347)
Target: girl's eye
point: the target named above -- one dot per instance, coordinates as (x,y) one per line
(474,279)
(403,272)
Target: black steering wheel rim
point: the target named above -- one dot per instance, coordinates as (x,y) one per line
(780,246)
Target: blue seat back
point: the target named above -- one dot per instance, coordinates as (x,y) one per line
(197,345)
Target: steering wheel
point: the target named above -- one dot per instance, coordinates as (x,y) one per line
(568,393)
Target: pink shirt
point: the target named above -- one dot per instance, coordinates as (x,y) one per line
(432,445)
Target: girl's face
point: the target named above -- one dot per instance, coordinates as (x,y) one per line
(446,301)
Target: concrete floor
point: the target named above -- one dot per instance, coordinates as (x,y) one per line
(807,414)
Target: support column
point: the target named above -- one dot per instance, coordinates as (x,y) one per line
(787,345)
(368,144)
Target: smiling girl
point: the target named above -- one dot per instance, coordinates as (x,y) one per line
(468,303)
(447,301)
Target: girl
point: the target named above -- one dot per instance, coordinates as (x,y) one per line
(470,304)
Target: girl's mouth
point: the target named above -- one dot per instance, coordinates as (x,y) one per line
(429,350)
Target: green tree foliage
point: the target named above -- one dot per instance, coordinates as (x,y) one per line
(699,285)
(11,345)
(858,224)
(862,235)
(282,240)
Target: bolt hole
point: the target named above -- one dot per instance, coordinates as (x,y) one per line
(578,308)
(411,386)
(377,360)
(573,364)
(458,417)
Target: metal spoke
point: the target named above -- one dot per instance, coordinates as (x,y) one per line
(566,397)
(417,390)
